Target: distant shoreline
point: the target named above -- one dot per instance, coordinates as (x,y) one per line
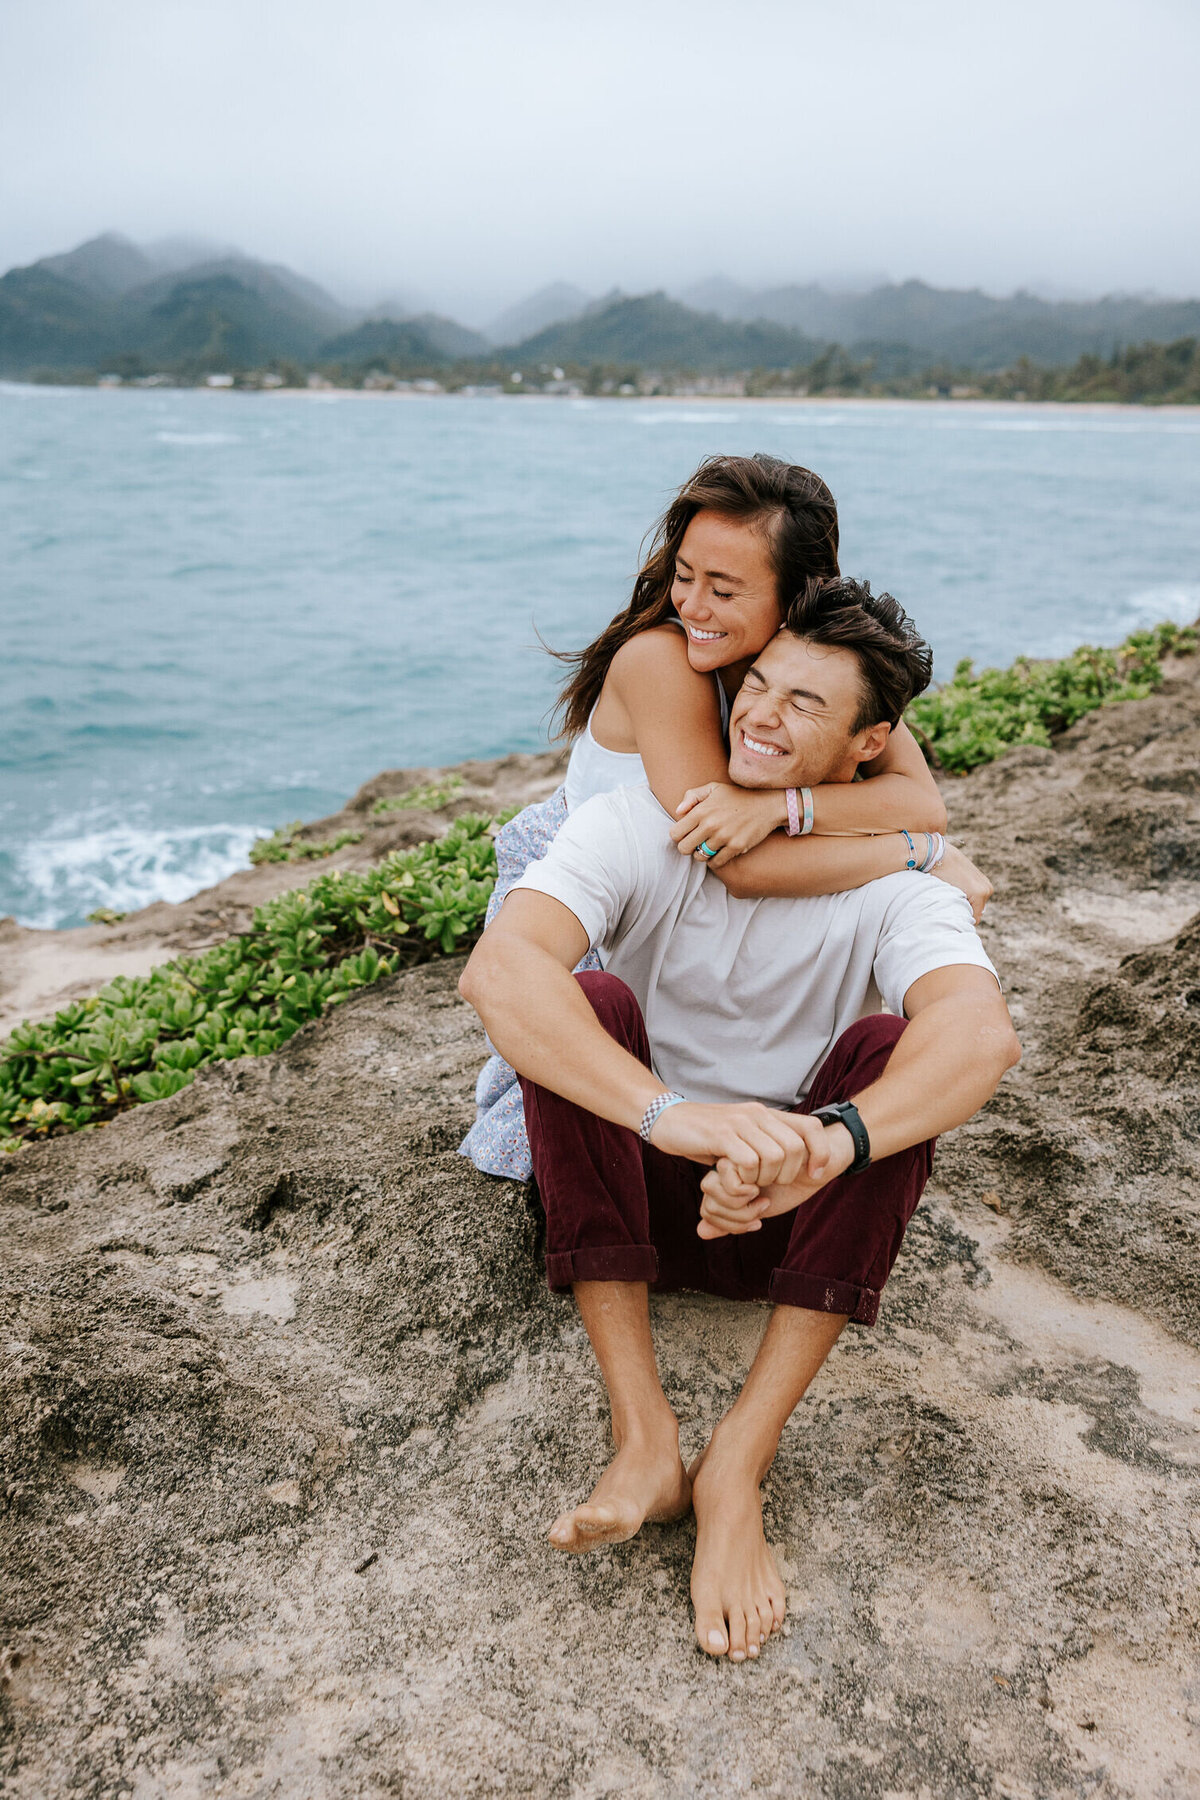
(973,402)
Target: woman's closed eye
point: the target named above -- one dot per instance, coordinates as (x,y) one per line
(717,593)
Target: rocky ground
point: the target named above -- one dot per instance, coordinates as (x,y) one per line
(289,1409)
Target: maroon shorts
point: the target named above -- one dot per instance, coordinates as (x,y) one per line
(620,1210)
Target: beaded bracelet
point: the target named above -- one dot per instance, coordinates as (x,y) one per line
(935,853)
(912,849)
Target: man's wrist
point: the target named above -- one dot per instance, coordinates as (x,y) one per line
(844,1113)
(660,1104)
(841,1146)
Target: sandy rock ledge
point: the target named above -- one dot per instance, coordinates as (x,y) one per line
(288,1408)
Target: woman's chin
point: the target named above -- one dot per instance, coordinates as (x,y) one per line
(707,658)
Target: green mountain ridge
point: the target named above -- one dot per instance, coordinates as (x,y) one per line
(107,302)
(963,327)
(656,331)
(425,338)
(110,304)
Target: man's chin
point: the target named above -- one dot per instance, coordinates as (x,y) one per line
(748,772)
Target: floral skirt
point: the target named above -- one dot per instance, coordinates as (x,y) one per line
(496,1142)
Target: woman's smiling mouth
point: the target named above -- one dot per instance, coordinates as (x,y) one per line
(704,637)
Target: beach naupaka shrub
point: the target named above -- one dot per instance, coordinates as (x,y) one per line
(284,845)
(974,717)
(143,1038)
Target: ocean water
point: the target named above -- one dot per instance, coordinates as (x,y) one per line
(223,611)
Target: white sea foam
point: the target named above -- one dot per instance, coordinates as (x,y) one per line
(1178,600)
(83,864)
(680,416)
(197,437)
(1134,421)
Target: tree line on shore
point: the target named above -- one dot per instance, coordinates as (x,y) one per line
(1141,374)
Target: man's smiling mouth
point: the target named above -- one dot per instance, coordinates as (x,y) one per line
(757,747)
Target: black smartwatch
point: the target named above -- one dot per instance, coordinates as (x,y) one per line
(844,1112)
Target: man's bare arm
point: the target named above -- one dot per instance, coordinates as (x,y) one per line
(959,1043)
(520,983)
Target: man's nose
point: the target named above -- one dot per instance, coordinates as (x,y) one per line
(763,710)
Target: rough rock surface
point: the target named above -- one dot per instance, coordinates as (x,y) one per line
(289,1408)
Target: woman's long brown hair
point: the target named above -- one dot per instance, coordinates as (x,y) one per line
(798,515)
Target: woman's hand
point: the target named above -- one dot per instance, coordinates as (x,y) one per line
(961,873)
(730,820)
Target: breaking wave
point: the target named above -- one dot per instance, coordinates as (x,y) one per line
(56,879)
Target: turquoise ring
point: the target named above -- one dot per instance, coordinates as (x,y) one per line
(705,851)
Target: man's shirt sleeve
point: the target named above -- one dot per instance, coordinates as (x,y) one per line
(592,867)
(928,925)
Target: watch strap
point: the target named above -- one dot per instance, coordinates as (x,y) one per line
(844,1112)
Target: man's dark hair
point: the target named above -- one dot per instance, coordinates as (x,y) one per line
(894,661)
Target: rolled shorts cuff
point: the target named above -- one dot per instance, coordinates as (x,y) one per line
(818,1293)
(620,1262)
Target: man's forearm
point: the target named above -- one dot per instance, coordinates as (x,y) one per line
(540,1020)
(943,1069)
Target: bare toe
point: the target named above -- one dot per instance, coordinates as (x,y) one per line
(710,1626)
(737,1635)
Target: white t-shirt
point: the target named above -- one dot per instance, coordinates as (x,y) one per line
(743,999)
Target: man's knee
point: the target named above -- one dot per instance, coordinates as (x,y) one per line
(613,1003)
(877,1032)
(859,1057)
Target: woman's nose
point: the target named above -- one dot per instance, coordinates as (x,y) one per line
(694,605)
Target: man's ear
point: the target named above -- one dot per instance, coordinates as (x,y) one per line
(870,743)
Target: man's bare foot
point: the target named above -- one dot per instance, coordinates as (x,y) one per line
(736,1589)
(645,1481)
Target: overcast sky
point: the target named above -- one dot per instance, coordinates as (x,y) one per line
(469,153)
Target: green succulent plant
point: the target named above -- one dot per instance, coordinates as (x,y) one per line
(420,799)
(283,845)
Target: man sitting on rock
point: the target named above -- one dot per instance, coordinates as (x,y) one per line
(669,1144)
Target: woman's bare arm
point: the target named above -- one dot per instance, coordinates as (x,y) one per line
(655,702)
(897,792)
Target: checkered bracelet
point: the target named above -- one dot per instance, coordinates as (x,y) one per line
(795,799)
(658,1105)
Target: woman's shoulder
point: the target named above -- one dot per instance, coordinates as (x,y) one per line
(658,652)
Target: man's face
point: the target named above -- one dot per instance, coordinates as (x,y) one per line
(790,725)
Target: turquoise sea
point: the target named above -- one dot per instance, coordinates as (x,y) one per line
(222,611)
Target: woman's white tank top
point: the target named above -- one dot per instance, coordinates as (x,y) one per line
(595,770)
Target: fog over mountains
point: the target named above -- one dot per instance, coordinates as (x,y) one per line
(184,306)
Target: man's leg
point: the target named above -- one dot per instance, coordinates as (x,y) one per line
(592,1181)
(736,1588)
(646,1479)
(827,1262)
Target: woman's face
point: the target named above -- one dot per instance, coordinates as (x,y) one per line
(724,591)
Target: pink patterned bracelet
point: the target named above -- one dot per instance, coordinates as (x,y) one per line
(794,801)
